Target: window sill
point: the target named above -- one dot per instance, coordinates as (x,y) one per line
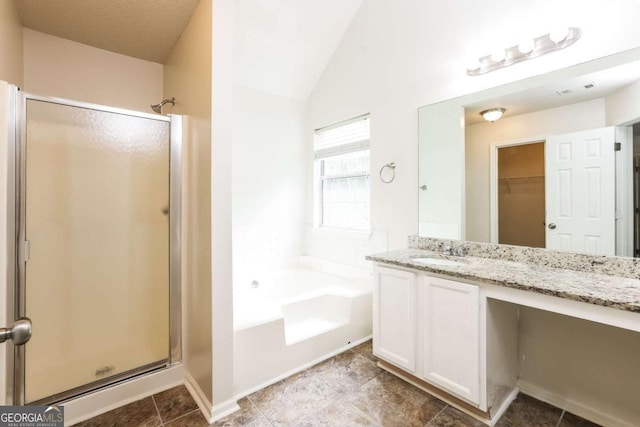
(340,232)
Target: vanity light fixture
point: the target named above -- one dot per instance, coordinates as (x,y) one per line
(558,34)
(492,114)
(526,46)
(499,55)
(557,39)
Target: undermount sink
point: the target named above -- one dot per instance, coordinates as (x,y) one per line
(438,261)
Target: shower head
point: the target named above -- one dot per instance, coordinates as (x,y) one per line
(158,107)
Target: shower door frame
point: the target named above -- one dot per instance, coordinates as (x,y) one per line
(17,246)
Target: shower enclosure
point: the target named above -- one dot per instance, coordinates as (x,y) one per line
(96,256)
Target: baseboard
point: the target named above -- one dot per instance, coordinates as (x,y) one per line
(210,412)
(449,399)
(93,404)
(198,395)
(572,406)
(223,409)
(504,405)
(301,368)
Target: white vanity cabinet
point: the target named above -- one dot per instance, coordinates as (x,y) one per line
(450,314)
(429,327)
(394,317)
(456,333)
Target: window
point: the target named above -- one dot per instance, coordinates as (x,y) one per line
(342,175)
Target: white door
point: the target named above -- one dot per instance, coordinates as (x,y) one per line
(451,341)
(394,317)
(581,194)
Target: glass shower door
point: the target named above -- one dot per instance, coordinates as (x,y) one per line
(95,213)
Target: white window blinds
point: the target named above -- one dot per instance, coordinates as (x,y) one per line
(345,137)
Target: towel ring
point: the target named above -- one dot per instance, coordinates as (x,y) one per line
(391,166)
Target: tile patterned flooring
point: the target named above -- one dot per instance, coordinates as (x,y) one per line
(346,390)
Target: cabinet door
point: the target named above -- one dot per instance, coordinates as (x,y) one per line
(451,340)
(394,317)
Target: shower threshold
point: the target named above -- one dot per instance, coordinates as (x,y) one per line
(61,398)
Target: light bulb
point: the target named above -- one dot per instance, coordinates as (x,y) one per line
(498,55)
(473,64)
(558,34)
(526,46)
(492,114)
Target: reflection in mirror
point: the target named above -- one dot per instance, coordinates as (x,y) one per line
(521,195)
(556,171)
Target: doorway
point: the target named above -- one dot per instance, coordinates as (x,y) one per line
(97,248)
(521,195)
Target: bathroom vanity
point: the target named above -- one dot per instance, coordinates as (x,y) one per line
(449,324)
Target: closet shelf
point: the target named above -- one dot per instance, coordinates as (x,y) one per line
(523,180)
(519,178)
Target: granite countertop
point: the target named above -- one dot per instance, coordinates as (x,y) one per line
(599,289)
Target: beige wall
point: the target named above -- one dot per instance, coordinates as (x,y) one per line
(187,77)
(582,361)
(66,69)
(11,60)
(532,127)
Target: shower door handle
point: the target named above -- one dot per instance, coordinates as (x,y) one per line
(19,332)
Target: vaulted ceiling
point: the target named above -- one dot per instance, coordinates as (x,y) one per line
(283,46)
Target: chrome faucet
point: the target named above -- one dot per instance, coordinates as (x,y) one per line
(458,251)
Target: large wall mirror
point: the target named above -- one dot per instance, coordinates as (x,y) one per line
(559,170)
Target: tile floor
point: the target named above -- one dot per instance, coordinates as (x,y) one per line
(346,390)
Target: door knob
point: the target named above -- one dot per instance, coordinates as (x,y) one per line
(19,332)
(552,226)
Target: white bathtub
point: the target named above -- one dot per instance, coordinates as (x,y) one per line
(293,317)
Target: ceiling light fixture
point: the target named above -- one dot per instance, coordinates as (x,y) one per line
(492,114)
(556,40)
